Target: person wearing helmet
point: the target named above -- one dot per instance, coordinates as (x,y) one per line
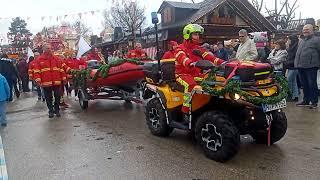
(186,58)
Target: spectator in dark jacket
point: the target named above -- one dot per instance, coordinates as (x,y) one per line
(8,71)
(16,79)
(307,61)
(222,52)
(23,72)
(292,44)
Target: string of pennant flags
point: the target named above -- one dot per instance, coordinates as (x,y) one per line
(58,17)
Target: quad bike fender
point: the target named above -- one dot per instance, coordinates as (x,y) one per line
(171,99)
(199,100)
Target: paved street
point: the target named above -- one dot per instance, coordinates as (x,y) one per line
(111,141)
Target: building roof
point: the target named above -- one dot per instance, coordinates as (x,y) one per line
(182,5)
(206,7)
(242,7)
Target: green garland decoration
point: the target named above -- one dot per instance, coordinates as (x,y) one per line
(234,86)
(81,76)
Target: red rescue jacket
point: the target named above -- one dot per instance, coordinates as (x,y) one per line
(49,70)
(184,57)
(137,53)
(168,55)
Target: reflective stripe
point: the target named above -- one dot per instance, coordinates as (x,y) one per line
(45,69)
(36,71)
(168,60)
(184,84)
(57,82)
(68,69)
(56,69)
(186,95)
(184,61)
(205,54)
(198,79)
(179,53)
(215,62)
(261,73)
(38,79)
(186,105)
(46,83)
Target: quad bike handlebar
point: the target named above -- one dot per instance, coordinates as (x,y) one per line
(208,65)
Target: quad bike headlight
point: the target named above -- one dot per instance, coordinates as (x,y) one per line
(236,96)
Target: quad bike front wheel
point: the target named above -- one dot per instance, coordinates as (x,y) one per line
(218,136)
(156,118)
(277,131)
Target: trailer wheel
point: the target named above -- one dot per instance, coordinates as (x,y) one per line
(82,100)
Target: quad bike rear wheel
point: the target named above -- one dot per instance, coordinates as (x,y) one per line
(278,129)
(217,135)
(156,118)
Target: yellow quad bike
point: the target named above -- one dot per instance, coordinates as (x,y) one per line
(232,103)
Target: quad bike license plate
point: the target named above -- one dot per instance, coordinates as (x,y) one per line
(272,107)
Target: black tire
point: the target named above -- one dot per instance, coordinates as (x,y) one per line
(278,129)
(83,103)
(226,142)
(156,119)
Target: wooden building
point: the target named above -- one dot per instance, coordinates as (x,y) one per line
(222,19)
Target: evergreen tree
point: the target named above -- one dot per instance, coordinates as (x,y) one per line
(19,34)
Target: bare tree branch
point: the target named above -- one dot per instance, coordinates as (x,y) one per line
(128,15)
(81,28)
(258,4)
(281,18)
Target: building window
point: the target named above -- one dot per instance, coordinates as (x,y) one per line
(223,15)
(167,16)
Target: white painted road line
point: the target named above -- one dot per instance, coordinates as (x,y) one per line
(3,167)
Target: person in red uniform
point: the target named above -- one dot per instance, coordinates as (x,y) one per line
(137,53)
(170,54)
(49,72)
(186,73)
(96,55)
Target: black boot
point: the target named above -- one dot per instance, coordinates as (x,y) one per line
(58,114)
(186,119)
(51,115)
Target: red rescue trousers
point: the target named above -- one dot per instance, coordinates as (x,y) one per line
(188,82)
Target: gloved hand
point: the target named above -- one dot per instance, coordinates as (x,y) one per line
(197,52)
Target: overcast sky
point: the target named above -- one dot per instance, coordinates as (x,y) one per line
(35,9)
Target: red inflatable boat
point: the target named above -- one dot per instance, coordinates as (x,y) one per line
(126,74)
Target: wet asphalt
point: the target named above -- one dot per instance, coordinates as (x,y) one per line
(110,140)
